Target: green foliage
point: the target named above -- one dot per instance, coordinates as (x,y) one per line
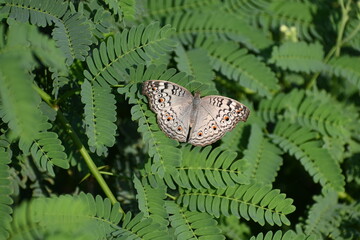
(136,46)
(213,168)
(274,14)
(245,68)
(190,225)
(5,190)
(196,63)
(234,229)
(100,116)
(68,215)
(46,151)
(327,217)
(298,57)
(262,156)
(151,202)
(279,235)
(314,110)
(256,202)
(301,143)
(19,102)
(218,25)
(139,228)
(71,32)
(347,68)
(73,119)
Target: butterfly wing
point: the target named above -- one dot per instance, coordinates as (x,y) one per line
(172,104)
(215,116)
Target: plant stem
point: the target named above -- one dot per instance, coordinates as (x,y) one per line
(78,144)
(339,40)
(345,17)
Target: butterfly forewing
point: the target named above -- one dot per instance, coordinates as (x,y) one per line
(172,104)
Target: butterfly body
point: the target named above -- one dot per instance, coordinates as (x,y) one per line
(188,118)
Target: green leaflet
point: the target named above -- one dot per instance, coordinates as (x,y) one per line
(262,157)
(299,57)
(206,168)
(346,67)
(312,110)
(159,8)
(139,228)
(71,32)
(5,199)
(100,115)
(32,219)
(256,202)
(289,13)
(217,25)
(196,63)
(151,202)
(279,235)
(138,45)
(18,100)
(190,225)
(237,64)
(302,143)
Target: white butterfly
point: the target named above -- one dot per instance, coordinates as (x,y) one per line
(188,118)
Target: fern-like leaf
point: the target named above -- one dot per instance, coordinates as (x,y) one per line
(196,63)
(151,202)
(19,106)
(279,235)
(262,157)
(72,35)
(46,217)
(232,139)
(140,44)
(140,228)
(5,191)
(38,13)
(301,143)
(299,57)
(71,32)
(207,168)
(346,67)
(257,202)
(192,225)
(114,6)
(352,33)
(298,14)
(217,25)
(233,228)
(100,115)
(248,9)
(46,149)
(128,8)
(311,110)
(237,64)
(321,214)
(160,8)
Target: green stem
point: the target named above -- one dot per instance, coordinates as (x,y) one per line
(311,83)
(339,40)
(345,17)
(84,153)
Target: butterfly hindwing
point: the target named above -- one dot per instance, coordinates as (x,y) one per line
(172,104)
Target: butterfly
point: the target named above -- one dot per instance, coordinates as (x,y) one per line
(188,118)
